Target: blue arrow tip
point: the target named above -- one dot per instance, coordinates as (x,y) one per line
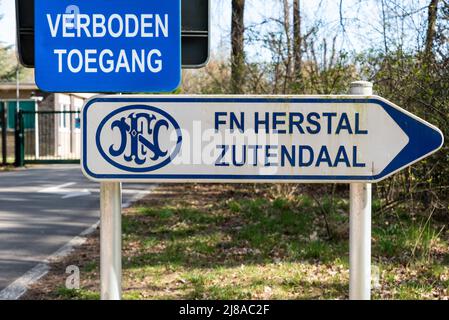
(424,139)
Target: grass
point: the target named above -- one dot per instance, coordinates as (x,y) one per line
(77,294)
(90,266)
(231,242)
(408,240)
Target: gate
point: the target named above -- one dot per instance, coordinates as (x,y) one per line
(8,128)
(3,135)
(49,136)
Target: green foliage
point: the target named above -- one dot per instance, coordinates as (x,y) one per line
(77,294)
(423,89)
(9,65)
(406,240)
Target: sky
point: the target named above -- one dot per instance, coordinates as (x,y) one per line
(361,18)
(8,23)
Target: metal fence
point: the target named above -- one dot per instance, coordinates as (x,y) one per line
(49,136)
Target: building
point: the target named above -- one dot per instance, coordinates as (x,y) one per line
(51,124)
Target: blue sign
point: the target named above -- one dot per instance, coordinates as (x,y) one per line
(108,45)
(251,139)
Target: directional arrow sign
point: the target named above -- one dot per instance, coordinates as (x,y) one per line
(108,45)
(251,139)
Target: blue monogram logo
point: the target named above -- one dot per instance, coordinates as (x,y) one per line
(139,138)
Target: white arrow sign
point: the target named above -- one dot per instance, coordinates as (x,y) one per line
(250,139)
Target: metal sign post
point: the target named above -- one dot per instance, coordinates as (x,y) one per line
(360,226)
(111,240)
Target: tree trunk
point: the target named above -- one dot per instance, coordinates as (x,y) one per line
(288,59)
(237,42)
(297,39)
(431,29)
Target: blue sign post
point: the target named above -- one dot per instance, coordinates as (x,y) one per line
(108,45)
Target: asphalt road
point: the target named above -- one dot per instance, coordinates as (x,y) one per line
(41,210)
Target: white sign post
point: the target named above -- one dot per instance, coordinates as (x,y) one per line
(360,226)
(111,240)
(358,139)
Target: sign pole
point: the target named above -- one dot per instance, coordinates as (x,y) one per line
(111,240)
(360,225)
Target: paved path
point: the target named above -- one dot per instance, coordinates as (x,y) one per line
(41,210)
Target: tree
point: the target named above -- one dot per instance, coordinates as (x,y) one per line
(7,71)
(297,39)
(9,65)
(431,29)
(238,43)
